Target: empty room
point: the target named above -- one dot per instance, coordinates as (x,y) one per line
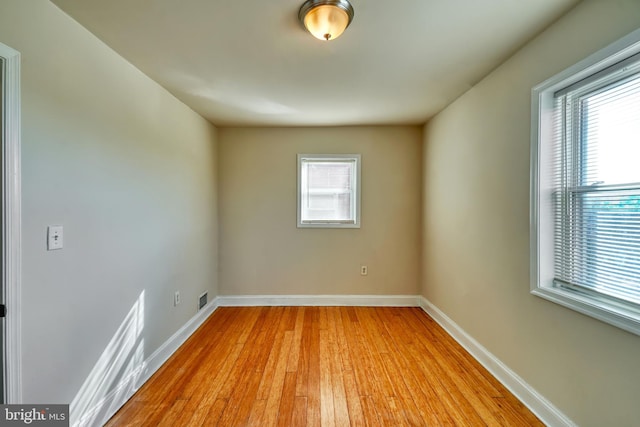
(321,212)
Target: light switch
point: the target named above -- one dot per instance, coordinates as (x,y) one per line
(54,237)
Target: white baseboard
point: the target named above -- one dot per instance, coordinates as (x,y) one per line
(538,404)
(99,414)
(319,300)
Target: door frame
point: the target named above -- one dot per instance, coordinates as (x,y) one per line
(11,223)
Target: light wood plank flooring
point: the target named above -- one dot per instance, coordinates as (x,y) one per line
(322,366)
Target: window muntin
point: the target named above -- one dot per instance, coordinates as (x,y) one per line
(585,199)
(328,190)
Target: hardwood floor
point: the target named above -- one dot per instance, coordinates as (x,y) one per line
(322,366)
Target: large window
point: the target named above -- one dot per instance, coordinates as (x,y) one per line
(329,190)
(586,186)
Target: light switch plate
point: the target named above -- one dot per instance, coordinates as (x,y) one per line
(54,237)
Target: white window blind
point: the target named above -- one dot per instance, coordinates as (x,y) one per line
(597,181)
(328,190)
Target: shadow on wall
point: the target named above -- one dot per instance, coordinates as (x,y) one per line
(119,366)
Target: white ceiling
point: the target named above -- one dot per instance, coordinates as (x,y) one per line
(250,63)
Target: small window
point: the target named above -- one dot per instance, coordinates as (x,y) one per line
(586,186)
(329,190)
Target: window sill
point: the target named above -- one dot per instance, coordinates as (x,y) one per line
(601,309)
(328,225)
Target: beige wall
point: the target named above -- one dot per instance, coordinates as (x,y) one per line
(130,172)
(261,250)
(476,231)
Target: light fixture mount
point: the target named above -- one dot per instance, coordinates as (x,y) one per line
(326,19)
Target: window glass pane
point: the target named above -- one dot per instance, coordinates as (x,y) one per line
(602,252)
(330,176)
(611,125)
(327,191)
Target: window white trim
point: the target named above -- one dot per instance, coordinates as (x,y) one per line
(355,223)
(625,316)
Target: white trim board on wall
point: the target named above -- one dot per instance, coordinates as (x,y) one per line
(11,223)
(538,404)
(319,300)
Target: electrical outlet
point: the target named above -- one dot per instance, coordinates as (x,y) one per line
(364,270)
(176,298)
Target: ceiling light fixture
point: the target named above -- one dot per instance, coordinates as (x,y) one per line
(326,19)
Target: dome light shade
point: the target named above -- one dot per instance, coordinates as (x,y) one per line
(326,19)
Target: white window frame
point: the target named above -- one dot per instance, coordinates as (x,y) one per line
(621,314)
(356,191)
